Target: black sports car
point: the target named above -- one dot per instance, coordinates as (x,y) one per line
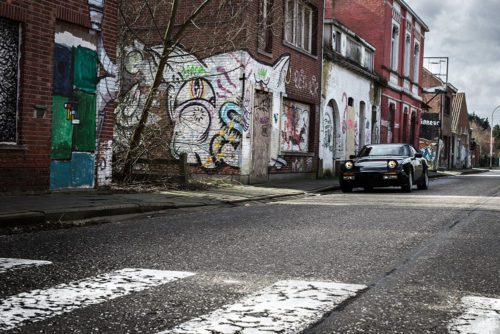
(385,165)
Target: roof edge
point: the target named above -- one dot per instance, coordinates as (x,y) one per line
(422,23)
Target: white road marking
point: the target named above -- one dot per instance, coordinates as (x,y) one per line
(8,264)
(481,316)
(284,307)
(380,200)
(38,305)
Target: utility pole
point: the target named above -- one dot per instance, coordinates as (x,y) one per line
(491,137)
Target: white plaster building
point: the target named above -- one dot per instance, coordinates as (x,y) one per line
(350,104)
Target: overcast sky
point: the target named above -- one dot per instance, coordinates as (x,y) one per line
(468,32)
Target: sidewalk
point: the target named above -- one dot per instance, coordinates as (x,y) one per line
(24,209)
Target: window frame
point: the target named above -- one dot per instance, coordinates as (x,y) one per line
(408,55)
(395,46)
(336,40)
(416,61)
(354,50)
(265,35)
(369,59)
(298,24)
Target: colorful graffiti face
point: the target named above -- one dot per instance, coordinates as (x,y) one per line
(204,101)
(194,109)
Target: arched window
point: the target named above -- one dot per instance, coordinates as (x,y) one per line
(394,47)
(407,55)
(416,62)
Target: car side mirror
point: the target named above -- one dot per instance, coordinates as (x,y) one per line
(418,155)
(352,156)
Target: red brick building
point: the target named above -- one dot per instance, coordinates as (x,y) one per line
(56,110)
(247,109)
(438,96)
(398,35)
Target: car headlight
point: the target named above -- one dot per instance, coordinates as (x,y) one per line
(392,164)
(348,165)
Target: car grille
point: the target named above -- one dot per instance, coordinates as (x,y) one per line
(369,177)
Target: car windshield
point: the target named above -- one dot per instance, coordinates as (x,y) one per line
(379,150)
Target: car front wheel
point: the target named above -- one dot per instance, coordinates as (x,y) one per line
(407,186)
(424,182)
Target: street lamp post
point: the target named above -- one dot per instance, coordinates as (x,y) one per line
(491,137)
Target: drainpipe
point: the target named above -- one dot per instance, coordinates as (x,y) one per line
(321,104)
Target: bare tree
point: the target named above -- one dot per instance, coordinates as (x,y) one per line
(167,32)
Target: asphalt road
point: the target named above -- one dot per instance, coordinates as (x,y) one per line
(417,262)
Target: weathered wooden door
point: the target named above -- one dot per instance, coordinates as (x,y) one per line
(261,136)
(73,108)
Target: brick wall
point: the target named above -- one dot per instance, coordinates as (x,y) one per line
(25,165)
(372,20)
(207,61)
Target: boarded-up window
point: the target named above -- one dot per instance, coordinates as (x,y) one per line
(353,51)
(294,127)
(9,64)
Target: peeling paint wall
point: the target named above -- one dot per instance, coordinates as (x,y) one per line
(79,102)
(338,131)
(209,104)
(73,108)
(295,127)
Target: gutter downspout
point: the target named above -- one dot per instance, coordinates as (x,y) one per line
(321,102)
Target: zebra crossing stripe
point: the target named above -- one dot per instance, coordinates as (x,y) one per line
(284,307)
(481,316)
(7,264)
(38,305)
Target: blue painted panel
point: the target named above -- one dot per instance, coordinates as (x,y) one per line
(79,172)
(60,174)
(63,70)
(83,169)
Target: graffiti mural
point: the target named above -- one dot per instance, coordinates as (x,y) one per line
(277,163)
(302,165)
(301,81)
(356,131)
(294,127)
(330,136)
(204,101)
(9,55)
(351,133)
(428,140)
(328,131)
(106,90)
(368,133)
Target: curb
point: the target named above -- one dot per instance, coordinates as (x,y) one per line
(22,218)
(38,217)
